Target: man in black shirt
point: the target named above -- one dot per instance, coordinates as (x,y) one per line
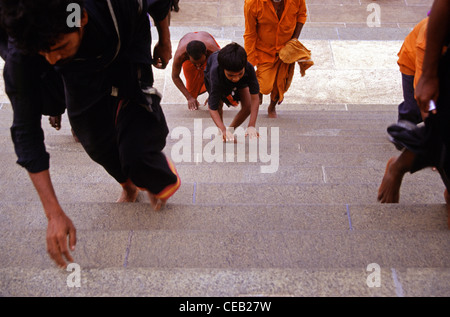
(105,65)
(230,78)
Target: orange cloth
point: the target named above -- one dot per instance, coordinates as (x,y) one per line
(265,35)
(412,52)
(275,78)
(195,78)
(167,192)
(295,51)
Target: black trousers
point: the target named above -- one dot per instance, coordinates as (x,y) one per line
(434,149)
(127,139)
(408,109)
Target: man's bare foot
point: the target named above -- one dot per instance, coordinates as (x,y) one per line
(157,204)
(272,113)
(389,190)
(447,202)
(55,122)
(159,200)
(129,193)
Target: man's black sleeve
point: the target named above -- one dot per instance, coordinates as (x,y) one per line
(21,76)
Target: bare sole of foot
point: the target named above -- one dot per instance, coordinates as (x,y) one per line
(389,190)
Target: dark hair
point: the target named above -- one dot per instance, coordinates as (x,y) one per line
(36,25)
(196,49)
(232,57)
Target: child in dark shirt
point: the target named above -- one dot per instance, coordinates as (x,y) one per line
(230,78)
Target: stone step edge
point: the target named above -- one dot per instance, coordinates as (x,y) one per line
(254,283)
(7,106)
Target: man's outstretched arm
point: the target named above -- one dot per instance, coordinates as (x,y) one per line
(21,76)
(61,232)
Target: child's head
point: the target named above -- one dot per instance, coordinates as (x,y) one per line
(233,59)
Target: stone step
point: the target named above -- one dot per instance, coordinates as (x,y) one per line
(294,119)
(400,217)
(233,249)
(235,193)
(290,145)
(311,132)
(313,220)
(72,155)
(225,283)
(292,168)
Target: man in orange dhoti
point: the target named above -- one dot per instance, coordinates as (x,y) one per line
(269,25)
(191,55)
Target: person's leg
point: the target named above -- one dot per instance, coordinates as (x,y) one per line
(141,137)
(195,79)
(266,74)
(96,133)
(244,112)
(396,168)
(443,116)
(283,79)
(408,109)
(274,99)
(275,93)
(129,192)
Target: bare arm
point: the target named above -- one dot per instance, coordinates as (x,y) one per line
(298,30)
(438,29)
(59,225)
(227,135)
(218,120)
(162,52)
(254,110)
(176,71)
